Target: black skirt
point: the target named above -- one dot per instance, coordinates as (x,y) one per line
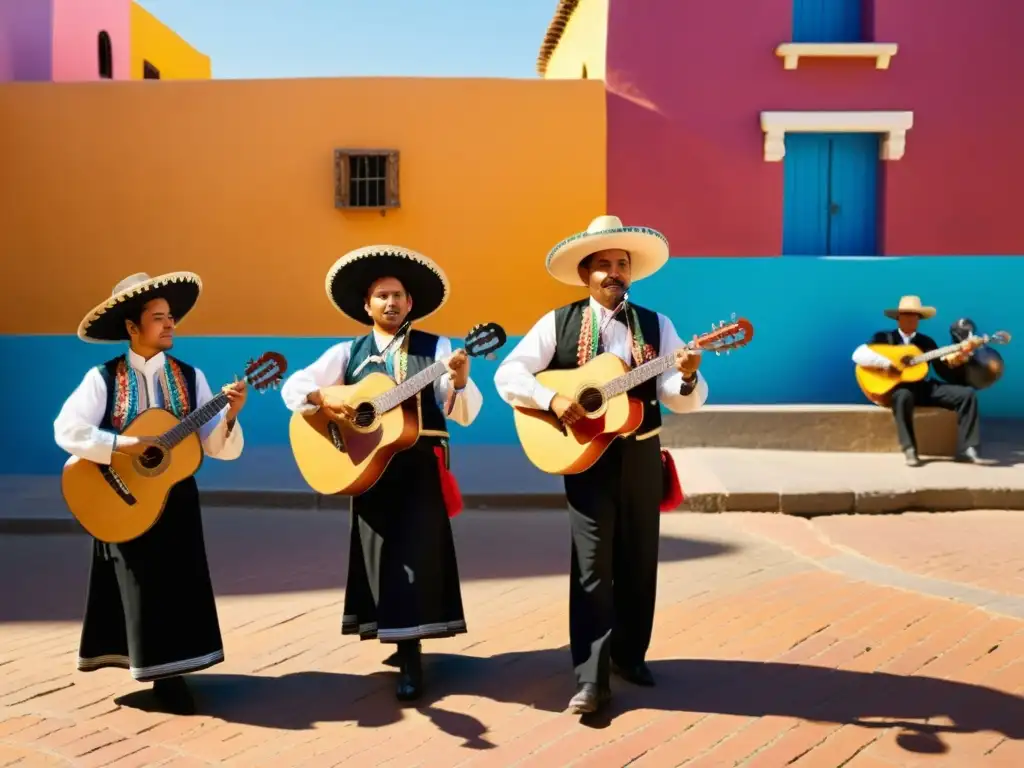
(403,577)
(150,606)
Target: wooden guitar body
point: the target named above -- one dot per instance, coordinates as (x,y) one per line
(121,502)
(342,458)
(561,450)
(877,385)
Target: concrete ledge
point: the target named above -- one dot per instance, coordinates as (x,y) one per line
(848,428)
(715,480)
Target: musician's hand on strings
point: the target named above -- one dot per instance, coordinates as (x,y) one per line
(134,445)
(568,411)
(905,362)
(458,368)
(688,361)
(337,408)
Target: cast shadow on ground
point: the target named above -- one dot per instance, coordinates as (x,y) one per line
(256,552)
(543,680)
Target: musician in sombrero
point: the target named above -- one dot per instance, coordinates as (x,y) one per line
(928,392)
(150,606)
(614,505)
(403,579)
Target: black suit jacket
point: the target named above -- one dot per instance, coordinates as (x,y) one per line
(926,344)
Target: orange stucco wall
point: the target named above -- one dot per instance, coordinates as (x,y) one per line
(234,179)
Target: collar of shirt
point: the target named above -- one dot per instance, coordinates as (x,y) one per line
(146,367)
(603,314)
(906,337)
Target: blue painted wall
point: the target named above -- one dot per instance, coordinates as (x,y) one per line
(808,315)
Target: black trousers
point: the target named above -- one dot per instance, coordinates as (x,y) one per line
(931,393)
(614,511)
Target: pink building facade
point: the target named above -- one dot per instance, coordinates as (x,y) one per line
(688,84)
(64,40)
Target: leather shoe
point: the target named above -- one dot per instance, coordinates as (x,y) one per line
(969,456)
(173,696)
(911,456)
(410,677)
(589,698)
(638,674)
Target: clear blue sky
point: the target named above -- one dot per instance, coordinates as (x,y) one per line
(339,38)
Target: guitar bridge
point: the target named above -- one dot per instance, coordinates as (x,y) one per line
(336,439)
(114,481)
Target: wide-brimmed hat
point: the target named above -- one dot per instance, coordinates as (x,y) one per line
(647,248)
(351,276)
(105,323)
(911,305)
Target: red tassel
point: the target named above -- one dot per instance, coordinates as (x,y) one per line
(672,495)
(449,486)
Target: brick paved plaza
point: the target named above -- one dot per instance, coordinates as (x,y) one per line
(854,641)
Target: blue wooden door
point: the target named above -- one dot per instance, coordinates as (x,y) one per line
(805,226)
(830,194)
(853,194)
(827,21)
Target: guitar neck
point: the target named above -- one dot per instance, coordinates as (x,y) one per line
(949,349)
(638,375)
(395,397)
(195,420)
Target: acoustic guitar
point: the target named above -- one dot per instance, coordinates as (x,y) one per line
(119,502)
(601,387)
(347,457)
(910,364)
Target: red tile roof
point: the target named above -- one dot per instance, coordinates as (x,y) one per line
(557,26)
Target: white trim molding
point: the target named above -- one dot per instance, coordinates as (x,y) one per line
(882,53)
(893,126)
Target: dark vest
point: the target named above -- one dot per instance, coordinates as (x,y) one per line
(109,370)
(422,349)
(569,319)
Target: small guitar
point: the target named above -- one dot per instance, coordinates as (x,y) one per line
(601,387)
(120,502)
(348,457)
(911,364)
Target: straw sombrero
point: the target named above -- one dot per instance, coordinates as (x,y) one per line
(351,276)
(647,248)
(105,322)
(911,305)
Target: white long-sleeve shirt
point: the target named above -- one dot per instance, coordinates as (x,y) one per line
(517,384)
(77,431)
(868,358)
(329,369)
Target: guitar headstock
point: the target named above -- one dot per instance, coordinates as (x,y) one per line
(484,339)
(726,337)
(1000,337)
(266,371)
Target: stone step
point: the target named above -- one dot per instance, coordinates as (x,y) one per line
(812,427)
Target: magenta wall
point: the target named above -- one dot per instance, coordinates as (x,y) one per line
(687,81)
(25,39)
(76,28)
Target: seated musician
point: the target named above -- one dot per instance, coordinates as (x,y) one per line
(929,391)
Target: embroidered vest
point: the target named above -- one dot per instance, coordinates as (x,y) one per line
(416,353)
(177,382)
(574,347)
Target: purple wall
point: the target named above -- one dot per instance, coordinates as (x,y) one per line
(687,81)
(26,39)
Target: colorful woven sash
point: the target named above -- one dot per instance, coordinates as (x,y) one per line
(126,392)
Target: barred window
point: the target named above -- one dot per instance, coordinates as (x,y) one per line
(366,178)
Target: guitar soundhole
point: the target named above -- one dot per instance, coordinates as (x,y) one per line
(151,458)
(365,415)
(591,399)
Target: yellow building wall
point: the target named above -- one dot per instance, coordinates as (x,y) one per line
(235,179)
(165,49)
(583,43)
